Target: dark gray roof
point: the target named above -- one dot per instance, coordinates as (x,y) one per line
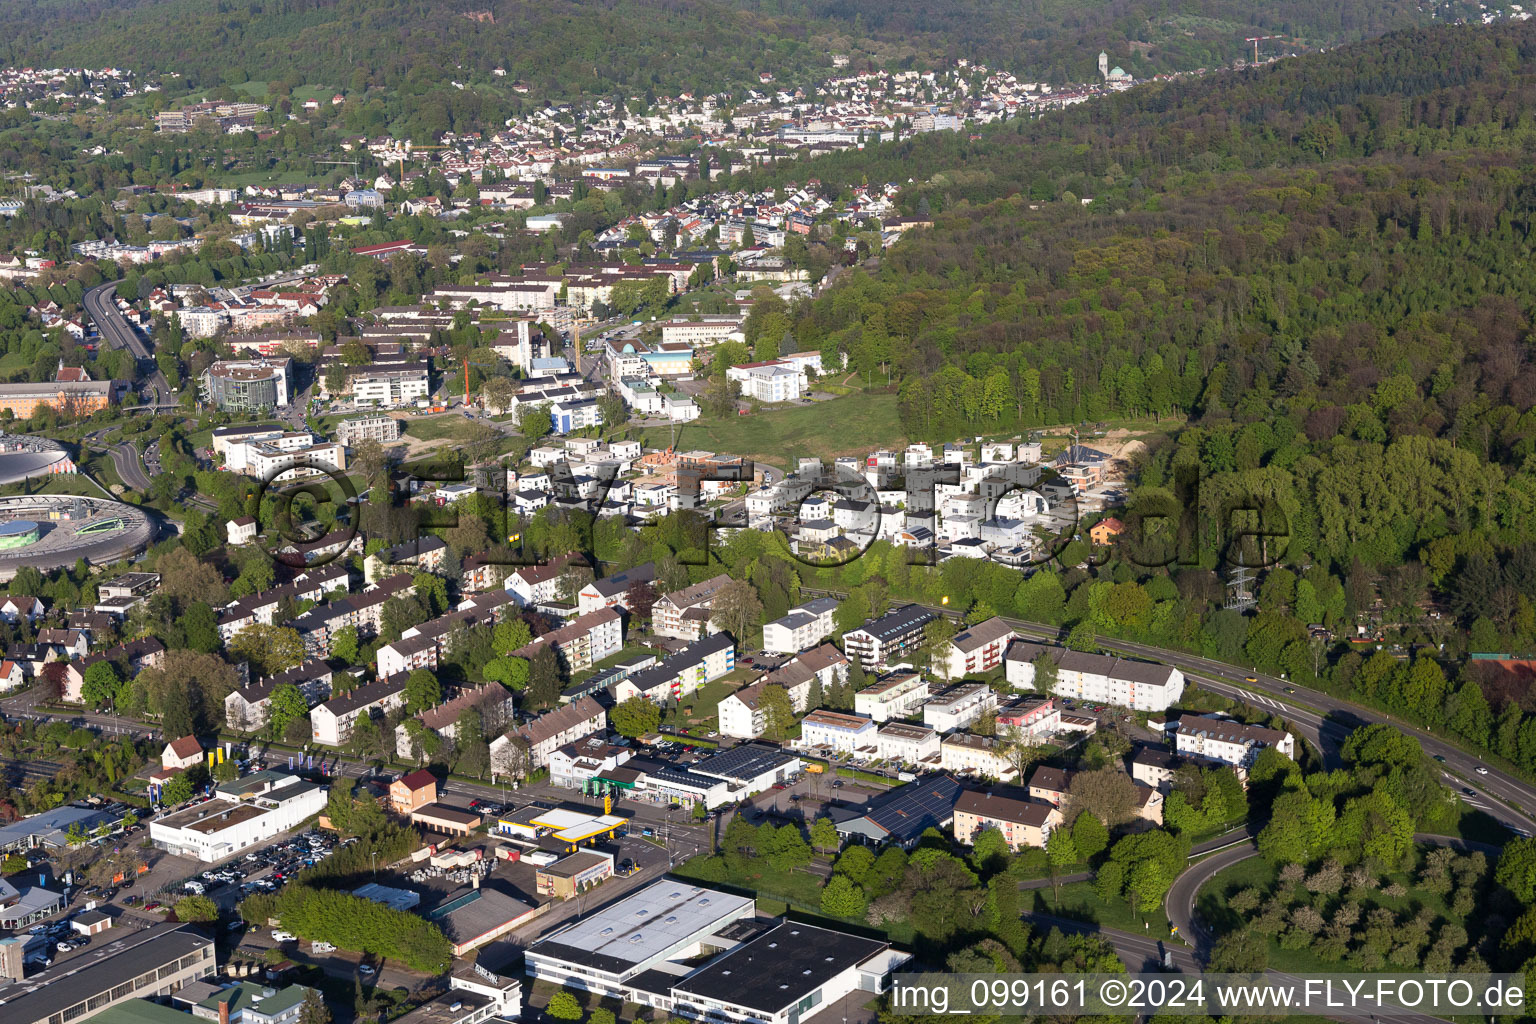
(120,960)
(780,967)
(902,814)
(898,623)
(745,762)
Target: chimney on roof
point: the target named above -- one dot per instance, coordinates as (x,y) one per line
(223,1011)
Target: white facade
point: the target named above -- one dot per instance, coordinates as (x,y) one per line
(1222,739)
(768,382)
(802,628)
(898,696)
(221,827)
(980,755)
(1139,685)
(907,743)
(959,706)
(832,730)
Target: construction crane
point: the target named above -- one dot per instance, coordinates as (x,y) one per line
(1256,40)
(467,365)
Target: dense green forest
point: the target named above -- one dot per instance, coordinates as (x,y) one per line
(643,48)
(1315,276)
(1057,40)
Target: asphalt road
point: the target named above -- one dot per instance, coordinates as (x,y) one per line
(117,332)
(1316,715)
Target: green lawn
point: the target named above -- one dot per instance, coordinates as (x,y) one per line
(1079,902)
(852,425)
(704,700)
(624,655)
(450,426)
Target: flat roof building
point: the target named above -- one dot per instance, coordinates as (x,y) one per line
(668,921)
(147,964)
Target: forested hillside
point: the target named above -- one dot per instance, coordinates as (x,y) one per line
(564,48)
(558,47)
(1057,40)
(1317,277)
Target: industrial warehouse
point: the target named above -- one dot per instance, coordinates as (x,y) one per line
(703,954)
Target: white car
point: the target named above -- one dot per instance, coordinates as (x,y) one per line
(322,947)
(1481,770)
(283,936)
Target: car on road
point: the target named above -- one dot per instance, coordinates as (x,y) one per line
(365,968)
(1250,679)
(1440,758)
(837,783)
(1481,770)
(1290,689)
(1469,791)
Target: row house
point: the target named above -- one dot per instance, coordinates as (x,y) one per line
(331,723)
(552,730)
(838,732)
(131,657)
(247,709)
(443,720)
(585,641)
(907,743)
(897,695)
(261,609)
(959,706)
(966,753)
(1097,678)
(363,612)
(1213,738)
(701,662)
(424,553)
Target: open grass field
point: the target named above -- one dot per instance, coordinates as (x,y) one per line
(446,427)
(1079,902)
(852,425)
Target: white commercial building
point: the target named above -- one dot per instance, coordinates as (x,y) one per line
(834,730)
(1139,685)
(244,813)
(684,951)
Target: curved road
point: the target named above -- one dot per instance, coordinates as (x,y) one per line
(117,332)
(1510,801)
(1180,901)
(126,460)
